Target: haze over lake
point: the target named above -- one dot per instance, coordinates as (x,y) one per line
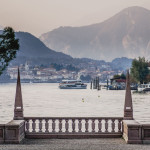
(46,99)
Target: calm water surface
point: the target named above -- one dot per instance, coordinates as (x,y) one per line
(46,99)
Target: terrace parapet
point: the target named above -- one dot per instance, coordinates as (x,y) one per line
(146,133)
(2,131)
(132,132)
(14,131)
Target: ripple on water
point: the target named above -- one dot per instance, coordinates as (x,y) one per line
(48,100)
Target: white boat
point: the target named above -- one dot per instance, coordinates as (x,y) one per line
(144,87)
(72,84)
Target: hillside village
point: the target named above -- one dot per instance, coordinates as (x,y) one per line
(50,74)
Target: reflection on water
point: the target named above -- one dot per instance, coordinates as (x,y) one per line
(47,99)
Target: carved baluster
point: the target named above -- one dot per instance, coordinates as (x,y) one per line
(99,125)
(73,125)
(106,125)
(80,125)
(27,126)
(113,125)
(93,125)
(53,125)
(46,125)
(119,125)
(86,125)
(40,125)
(67,126)
(60,125)
(33,125)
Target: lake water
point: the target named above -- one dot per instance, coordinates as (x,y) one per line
(46,99)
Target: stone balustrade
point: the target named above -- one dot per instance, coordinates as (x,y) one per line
(74,127)
(71,126)
(2,133)
(145,133)
(12,132)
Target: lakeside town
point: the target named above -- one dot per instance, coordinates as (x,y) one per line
(51,74)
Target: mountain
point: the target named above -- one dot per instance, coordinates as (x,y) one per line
(127,34)
(33,50)
(121,63)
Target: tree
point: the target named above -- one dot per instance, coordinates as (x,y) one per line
(122,76)
(8,47)
(85,78)
(58,67)
(71,68)
(139,70)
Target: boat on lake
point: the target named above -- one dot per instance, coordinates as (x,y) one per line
(144,87)
(72,84)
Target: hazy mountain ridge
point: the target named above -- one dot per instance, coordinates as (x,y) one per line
(32,49)
(127,34)
(121,63)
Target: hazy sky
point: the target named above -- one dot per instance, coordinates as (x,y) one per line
(40,16)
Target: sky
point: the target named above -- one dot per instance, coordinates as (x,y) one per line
(41,16)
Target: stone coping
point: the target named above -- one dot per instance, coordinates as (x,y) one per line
(131,122)
(14,122)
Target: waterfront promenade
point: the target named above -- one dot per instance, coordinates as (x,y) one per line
(75,144)
(74,132)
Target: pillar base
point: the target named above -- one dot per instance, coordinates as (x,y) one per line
(2,131)
(14,131)
(132,132)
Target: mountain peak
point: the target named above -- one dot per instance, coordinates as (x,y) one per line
(126,34)
(136,9)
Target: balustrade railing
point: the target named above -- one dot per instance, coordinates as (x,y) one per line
(73,125)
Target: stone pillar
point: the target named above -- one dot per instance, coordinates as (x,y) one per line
(132,132)
(2,133)
(14,131)
(128,108)
(18,108)
(146,133)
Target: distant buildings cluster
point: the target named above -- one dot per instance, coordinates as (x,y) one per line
(50,74)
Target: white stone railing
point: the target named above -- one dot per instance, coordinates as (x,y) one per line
(73,125)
